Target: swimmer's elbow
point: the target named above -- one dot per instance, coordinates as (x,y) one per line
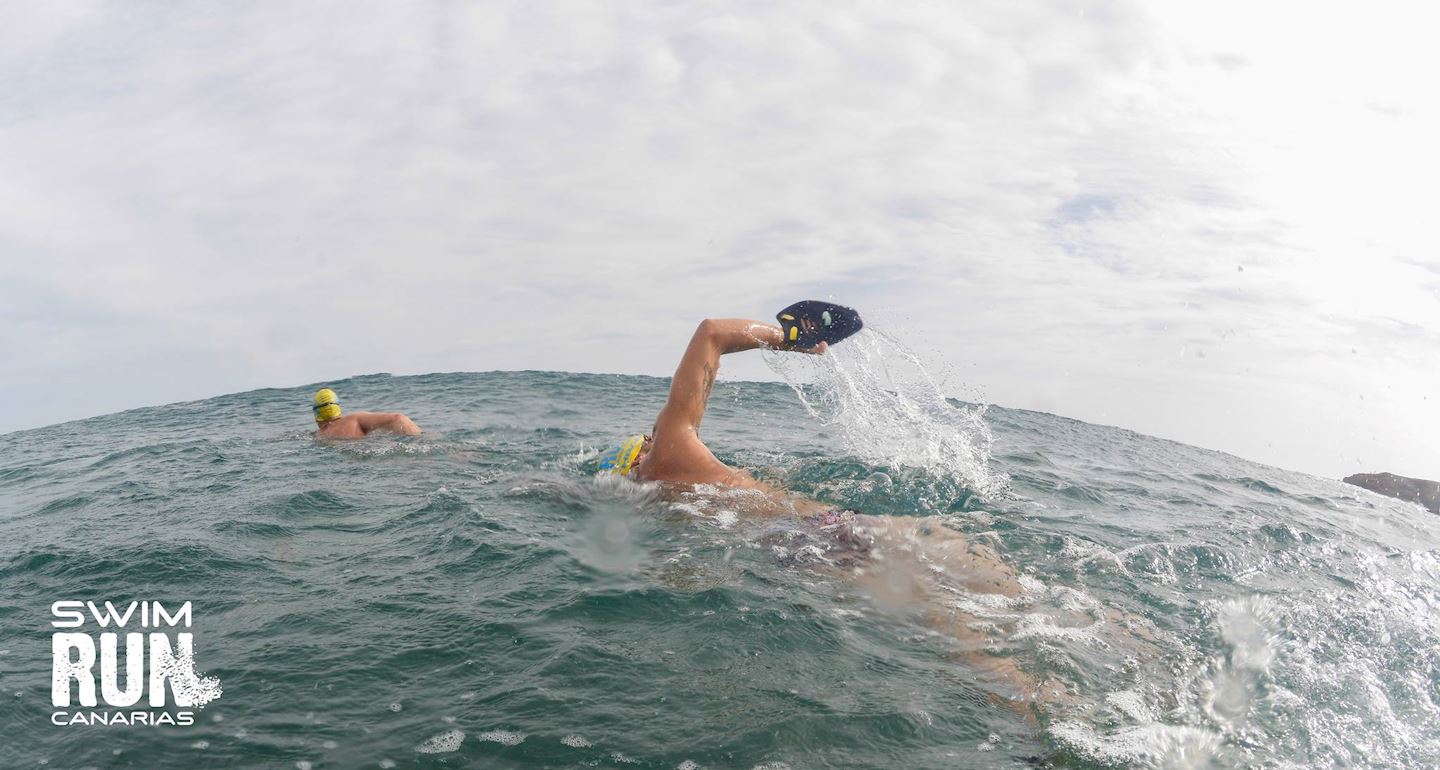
(405,425)
(731,335)
(709,329)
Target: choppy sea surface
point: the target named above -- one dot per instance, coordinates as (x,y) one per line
(477,597)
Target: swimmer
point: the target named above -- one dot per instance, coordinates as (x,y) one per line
(673,451)
(330,423)
(902,562)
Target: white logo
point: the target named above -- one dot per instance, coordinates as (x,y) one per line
(75,655)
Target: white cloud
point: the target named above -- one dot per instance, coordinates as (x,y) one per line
(1069,205)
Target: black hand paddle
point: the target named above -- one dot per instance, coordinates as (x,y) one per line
(811,322)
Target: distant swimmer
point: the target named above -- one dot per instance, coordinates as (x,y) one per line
(330,423)
(865,547)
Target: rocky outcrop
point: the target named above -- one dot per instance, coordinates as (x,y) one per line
(1426,493)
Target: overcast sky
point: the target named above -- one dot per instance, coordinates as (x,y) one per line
(1212,222)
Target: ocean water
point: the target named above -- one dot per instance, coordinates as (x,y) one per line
(477,598)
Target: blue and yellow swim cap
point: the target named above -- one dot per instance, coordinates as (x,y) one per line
(327,405)
(621,459)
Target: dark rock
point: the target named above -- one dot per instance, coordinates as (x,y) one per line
(1426,493)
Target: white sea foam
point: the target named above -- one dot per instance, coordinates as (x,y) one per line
(1131,704)
(994,606)
(687,508)
(502,737)
(1151,746)
(443,743)
(576,741)
(1033,626)
(1083,552)
(1030,584)
(374,446)
(1075,600)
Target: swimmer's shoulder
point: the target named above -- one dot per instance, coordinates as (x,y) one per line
(346,426)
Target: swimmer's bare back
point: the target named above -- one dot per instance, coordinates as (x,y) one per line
(948,554)
(362,424)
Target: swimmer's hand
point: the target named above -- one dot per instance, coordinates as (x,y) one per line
(818,350)
(765,336)
(807,325)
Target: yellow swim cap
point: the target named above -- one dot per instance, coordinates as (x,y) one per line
(621,459)
(327,405)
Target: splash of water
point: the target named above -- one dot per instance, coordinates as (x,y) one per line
(889,411)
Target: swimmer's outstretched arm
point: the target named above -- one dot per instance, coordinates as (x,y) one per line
(394,422)
(677,453)
(695,377)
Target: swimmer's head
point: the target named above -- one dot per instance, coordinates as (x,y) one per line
(624,458)
(327,405)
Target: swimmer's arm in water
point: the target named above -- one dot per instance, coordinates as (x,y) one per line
(678,451)
(394,422)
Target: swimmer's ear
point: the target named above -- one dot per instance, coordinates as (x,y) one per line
(809,323)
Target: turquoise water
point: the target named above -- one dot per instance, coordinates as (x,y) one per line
(365,604)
